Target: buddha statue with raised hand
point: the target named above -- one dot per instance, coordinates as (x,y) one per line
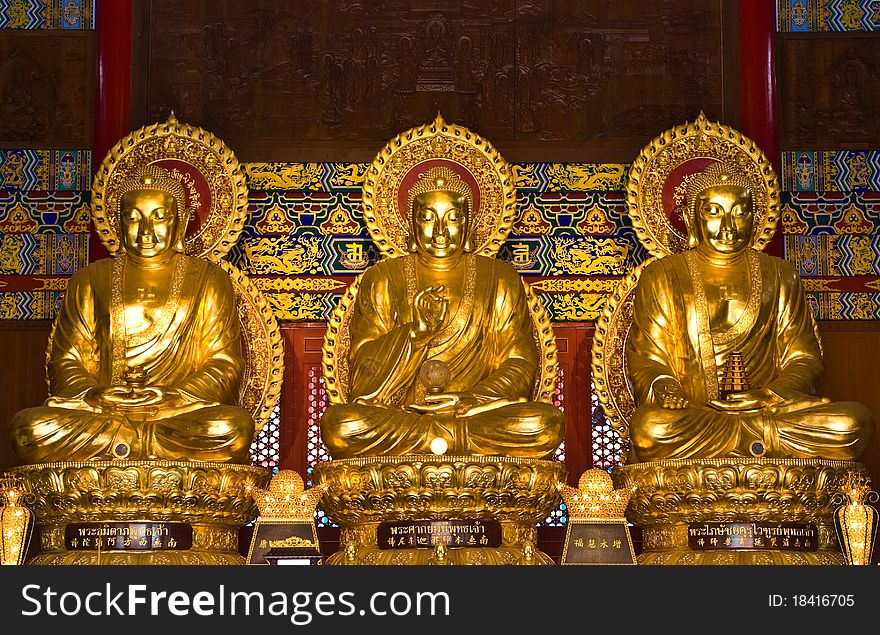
(145,359)
(720,312)
(442,353)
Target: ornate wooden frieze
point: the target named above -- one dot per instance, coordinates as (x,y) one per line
(46,87)
(585,81)
(828,87)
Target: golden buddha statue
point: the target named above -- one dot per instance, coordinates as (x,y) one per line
(145,360)
(720,310)
(442,353)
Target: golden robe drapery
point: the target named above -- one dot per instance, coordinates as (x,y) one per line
(780,349)
(487,344)
(193,347)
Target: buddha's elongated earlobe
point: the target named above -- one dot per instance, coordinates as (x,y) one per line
(691,224)
(180,231)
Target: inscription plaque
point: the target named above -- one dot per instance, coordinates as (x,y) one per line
(598,541)
(137,536)
(789,536)
(424,534)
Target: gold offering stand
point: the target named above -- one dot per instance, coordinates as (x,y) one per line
(158,511)
(285,529)
(731,510)
(426,509)
(737,510)
(596,532)
(141,512)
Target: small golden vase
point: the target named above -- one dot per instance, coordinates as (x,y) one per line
(16,522)
(856,521)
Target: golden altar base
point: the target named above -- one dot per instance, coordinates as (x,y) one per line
(672,494)
(364,492)
(213,498)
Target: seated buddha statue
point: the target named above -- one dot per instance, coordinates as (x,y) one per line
(723,355)
(442,352)
(145,361)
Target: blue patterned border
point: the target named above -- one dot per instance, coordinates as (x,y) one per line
(806,213)
(45,170)
(304,246)
(830,170)
(825,16)
(47,14)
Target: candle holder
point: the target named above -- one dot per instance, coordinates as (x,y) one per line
(855,519)
(16,521)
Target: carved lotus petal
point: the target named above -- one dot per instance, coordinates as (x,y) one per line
(164,481)
(438,477)
(399,478)
(121,479)
(477,476)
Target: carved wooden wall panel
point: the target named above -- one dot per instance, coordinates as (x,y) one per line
(612,75)
(829,91)
(46,89)
(543,79)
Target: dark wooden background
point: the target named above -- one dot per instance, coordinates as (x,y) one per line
(544,80)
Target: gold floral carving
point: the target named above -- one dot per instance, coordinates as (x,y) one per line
(299,284)
(337,343)
(575,285)
(389,225)
(609,354)
(264,349)
(212,497)
(733,489)
(699,139)
(372,489)
(223,221)
(362,492)
(545,386)
(671,494)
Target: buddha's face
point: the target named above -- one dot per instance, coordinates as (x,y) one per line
(149,222)
(724,218)
(440,223)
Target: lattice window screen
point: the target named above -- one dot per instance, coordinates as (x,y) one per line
(607,445)
(266,448)
(558,516)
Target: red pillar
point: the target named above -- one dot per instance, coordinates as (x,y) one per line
(112,120)
(759,118)
(757,28)
(113,90)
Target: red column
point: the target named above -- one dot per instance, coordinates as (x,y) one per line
(113,89)
(112,120)
(757,28)
(759,120)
